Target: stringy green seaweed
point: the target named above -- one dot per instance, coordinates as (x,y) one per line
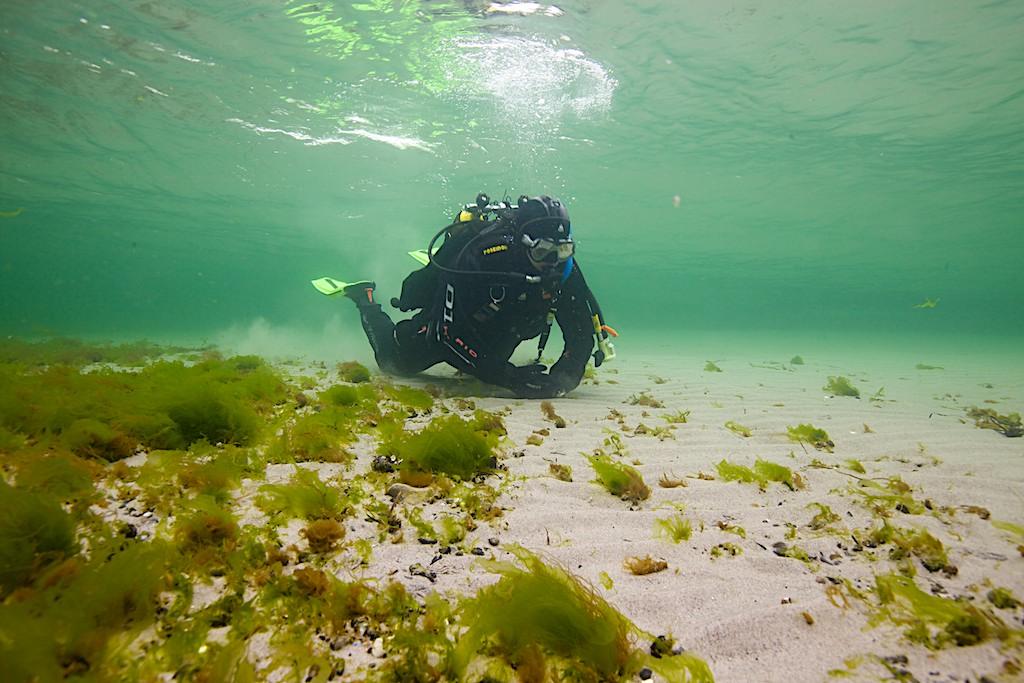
(539,622)
(934,621)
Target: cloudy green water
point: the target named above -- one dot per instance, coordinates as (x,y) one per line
(816,168)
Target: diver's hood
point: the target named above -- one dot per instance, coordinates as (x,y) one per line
(543,217)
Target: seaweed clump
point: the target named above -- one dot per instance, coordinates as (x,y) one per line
(986,418)
(353,372)
(809,434)
(620,479)
(108,414)
(538,622)
(840,386)
(35,533)
(448,445)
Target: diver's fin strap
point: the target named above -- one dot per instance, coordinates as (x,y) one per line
(421,256)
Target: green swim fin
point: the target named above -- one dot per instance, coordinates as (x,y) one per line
(421,256)
(329,286)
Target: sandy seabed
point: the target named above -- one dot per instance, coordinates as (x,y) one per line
(757,615)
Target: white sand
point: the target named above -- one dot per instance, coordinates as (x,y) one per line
(743,614)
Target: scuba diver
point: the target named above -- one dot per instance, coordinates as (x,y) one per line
(503,274)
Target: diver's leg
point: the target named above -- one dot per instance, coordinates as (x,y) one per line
(413,351)
(400,349)
(377,325)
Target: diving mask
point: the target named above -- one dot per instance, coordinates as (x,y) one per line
(549,251)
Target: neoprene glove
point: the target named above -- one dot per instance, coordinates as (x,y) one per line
(531,381)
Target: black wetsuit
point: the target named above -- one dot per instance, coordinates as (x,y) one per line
(475,322)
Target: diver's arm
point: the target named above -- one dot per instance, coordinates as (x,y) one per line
(573,317)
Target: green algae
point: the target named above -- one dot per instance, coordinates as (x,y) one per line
(675,528)
(448,445)
(677,418)
(560,472)
(62,476)
(35,533)
(908,543)
(539,622)
(81,623)
(933,621)
(316,437)
(305,496)
(855,466)
(738,429)
(710,366)
(894,495)
(323,535)
(731,528)
(619,479)
(1003,598)
(414,400)
(76,353)
(217,472)
(446,531)
(823,518)
(986,418)
(762,474)
(644,398)
(353,372)
(108,413)
(1015,529)
(840,386)
(205,530)
(809,434)
(725,550)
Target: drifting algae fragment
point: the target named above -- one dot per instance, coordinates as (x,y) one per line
(641,566)
(809,434)
(677,418)
(561,472)
(986,418)
(548,408)
(738,429)
(840,386)
(644,399)
(762,473)
(621,480)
